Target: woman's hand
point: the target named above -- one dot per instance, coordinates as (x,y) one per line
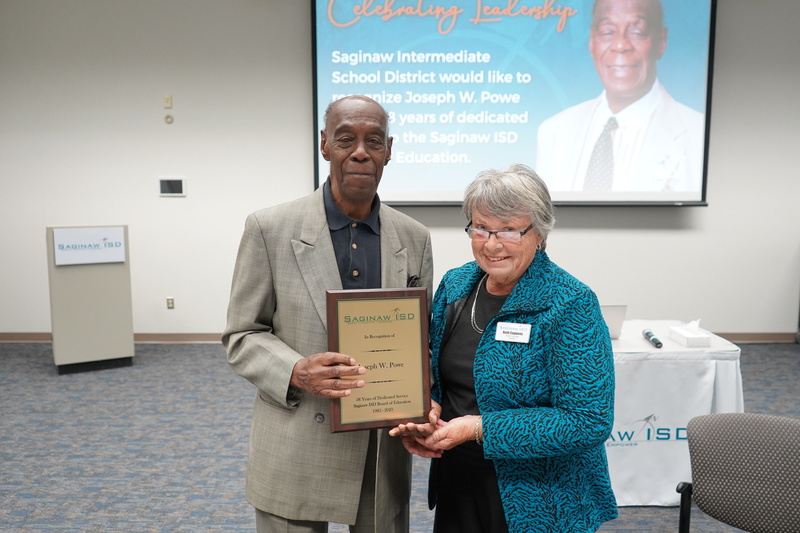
(413,435)
(419,430)
(450,434)
(416,446)
(431,439)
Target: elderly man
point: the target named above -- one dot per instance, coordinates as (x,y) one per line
(300,476)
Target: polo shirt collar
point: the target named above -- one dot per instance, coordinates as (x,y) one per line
(338,220)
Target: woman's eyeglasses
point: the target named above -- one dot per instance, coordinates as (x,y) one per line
(477,234)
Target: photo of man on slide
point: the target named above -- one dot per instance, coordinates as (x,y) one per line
(634,136)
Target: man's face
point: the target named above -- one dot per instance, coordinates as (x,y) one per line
(626,41)
(355,141)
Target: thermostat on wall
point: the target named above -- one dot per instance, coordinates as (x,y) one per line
(173,187)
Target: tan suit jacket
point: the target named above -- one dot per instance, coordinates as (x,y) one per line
(296,468)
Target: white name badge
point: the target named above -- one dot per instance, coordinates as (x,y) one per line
(510,332)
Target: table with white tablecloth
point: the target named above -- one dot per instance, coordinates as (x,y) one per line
(658,390)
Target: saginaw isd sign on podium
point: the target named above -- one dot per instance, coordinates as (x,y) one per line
(86,246)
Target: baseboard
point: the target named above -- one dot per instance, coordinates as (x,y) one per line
(26,337)
(760,338)
(203,338)
(150,338)
(177,338)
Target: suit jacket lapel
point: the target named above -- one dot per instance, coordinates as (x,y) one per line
(316,259)
(394,256)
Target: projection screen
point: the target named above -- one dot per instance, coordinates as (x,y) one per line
(479,84)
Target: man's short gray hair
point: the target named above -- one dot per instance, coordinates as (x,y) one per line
(331,105)
(510,193)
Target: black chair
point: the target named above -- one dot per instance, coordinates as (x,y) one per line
(745,472)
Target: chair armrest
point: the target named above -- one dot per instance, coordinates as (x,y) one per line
(685,490)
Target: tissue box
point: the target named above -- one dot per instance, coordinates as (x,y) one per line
(693,338)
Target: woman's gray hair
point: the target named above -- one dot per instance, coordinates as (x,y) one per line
(509,193)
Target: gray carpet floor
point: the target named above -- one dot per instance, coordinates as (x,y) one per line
(160,446)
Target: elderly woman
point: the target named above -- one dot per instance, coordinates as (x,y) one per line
(523,374)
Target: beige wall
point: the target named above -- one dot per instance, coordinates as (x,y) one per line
(83,141)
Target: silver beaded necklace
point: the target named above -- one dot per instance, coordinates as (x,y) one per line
(474,304)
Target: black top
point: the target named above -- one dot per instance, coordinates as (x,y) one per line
(457,359)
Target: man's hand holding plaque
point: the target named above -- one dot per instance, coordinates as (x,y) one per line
(328,375)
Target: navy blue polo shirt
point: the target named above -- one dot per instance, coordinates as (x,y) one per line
(357,243)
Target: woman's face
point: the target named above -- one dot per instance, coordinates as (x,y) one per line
(504,261)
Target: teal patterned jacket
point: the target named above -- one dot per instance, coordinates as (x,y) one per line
(547,405)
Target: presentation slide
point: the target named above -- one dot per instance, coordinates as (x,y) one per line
(608,103)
